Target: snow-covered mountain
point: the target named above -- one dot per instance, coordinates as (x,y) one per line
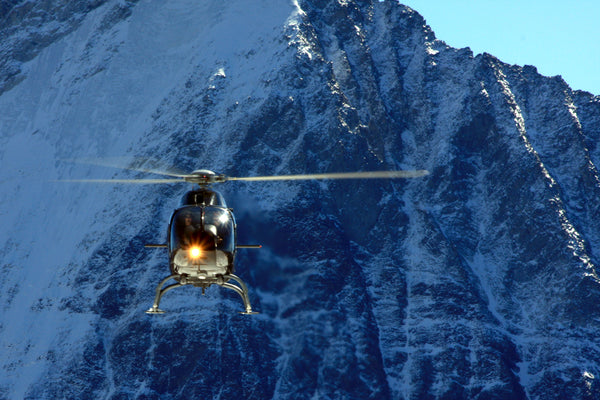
(478,281)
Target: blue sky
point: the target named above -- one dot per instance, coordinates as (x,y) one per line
(558,37)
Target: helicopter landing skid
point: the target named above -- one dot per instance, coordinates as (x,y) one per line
(242,290)
(160,292)
(154,310)
(222,281)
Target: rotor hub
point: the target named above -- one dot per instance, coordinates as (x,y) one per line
(204,177)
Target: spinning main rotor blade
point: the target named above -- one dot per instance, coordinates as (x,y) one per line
(120,163)
(136,181)
(206,177)
(340,175)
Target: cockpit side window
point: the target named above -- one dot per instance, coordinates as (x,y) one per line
(186,227)
(220,221)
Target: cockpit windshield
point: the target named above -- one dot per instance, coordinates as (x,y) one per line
(207,227)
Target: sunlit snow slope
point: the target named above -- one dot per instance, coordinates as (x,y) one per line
(476,282)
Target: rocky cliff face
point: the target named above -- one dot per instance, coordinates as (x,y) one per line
(477,281)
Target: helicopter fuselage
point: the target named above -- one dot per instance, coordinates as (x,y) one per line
(202,238)
(202,245)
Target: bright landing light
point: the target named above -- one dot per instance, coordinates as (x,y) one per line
(195,252)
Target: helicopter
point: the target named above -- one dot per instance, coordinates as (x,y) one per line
(201,235)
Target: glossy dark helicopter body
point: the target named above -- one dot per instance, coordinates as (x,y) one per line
(202,236)
(202,245)
(202,240)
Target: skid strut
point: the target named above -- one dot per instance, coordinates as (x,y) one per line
(159,294)
(222,281)
(242,290)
